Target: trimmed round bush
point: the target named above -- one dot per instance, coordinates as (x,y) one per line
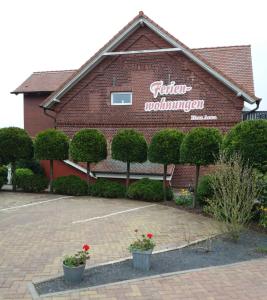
(70,185)
(204,190)
(30,182)
(107,189)
(148,190)
(249,139)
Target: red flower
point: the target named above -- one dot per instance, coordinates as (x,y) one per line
(150,235)
(86,247)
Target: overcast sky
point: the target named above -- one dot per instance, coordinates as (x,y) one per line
(39,35)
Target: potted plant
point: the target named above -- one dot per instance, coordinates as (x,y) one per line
(141,250)
(74,265)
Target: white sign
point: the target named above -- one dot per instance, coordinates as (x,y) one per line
(158,88)
(203,118)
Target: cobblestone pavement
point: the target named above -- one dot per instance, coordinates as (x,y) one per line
(243,281)
(35,237)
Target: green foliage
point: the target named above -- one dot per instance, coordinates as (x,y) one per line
(129,145)
(31,164)
(107,189)
(204,189)
(88,145)
(70,185)
(249,138)
(51,144)
(77,259)
(30,182)
(148,190)
(15,144)
(184,200)
(235,186)
(3,174)
(201,146)
(143,243)
(165,147)
(2,182)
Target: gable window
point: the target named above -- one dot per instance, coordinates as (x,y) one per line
(121,98)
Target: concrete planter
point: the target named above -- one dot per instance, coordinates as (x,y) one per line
(73,275)
(142,259)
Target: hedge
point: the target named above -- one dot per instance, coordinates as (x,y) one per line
(70,185)
(107,189)
(148,190)
(204,190)
(29,182)
(3,175)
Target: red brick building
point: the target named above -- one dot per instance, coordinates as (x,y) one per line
(146,79)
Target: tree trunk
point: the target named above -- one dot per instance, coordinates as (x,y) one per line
(164,181)
(196,185)
(51,175)
(88,172)
(13,169)
(128,175)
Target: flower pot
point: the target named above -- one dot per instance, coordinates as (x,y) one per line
(73,275)
(142,259)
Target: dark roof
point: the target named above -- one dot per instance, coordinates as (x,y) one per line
(111,166)
(48,81)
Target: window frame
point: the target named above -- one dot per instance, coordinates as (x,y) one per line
(121,104)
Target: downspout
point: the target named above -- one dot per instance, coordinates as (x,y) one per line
(50,116)
(254,109)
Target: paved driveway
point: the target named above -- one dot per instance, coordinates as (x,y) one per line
(36,231)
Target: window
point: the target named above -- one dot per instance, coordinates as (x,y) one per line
(121,98)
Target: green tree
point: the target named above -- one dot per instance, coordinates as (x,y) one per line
(200,147)
(165,149)
(129,146)
(15,144)
(249,139)
(51,144)
(90,146)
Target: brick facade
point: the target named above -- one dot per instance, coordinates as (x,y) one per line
(34,118)
(88,104)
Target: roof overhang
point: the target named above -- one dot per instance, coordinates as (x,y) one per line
(139,22)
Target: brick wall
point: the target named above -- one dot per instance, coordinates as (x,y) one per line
(87,104)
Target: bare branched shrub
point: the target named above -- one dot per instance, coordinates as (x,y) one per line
(235,191)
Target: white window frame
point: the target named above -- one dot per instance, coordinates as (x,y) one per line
(112,103)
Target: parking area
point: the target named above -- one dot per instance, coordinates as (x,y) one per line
(36,231)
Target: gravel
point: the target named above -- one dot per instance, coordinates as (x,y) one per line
(215,252)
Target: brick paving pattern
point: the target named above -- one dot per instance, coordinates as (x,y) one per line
(33,240)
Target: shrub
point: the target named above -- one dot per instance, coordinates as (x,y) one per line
(15,144)
(3,174)
(148,190)
(204,189)
(31,164)
(2,182)
(165,149)
(70,185)
(200,147)
(106,188)
(236,189)
(30,182)
(184,199)
(249,139)
(129,146)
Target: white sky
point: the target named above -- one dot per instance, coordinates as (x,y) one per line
(39,35)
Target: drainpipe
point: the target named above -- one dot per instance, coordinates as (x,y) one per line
(254,109)
(50,116)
